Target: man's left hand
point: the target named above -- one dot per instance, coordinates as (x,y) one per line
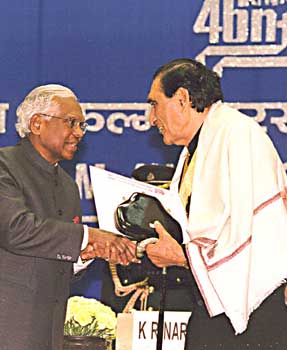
(166,251)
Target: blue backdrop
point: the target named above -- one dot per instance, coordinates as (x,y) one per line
(107,51)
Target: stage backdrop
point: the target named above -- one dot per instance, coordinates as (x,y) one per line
(107,51)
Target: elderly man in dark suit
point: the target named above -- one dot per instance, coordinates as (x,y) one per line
(40,227)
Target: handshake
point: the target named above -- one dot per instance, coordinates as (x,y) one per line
(109,246)
(164,251)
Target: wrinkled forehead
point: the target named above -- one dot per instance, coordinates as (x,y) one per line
(66,106)
(63,101)
(155,89)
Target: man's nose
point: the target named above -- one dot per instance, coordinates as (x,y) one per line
(77,131)
(152,117)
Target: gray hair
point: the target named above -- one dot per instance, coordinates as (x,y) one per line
(38,101)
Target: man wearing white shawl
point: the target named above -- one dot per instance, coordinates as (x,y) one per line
(234,187)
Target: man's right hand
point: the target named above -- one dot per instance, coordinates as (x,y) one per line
(109,246)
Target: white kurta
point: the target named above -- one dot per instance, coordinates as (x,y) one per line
(237,233)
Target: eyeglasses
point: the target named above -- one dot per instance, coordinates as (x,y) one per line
(73,123)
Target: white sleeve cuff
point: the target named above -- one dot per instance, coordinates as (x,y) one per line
(79,265)
(85,237)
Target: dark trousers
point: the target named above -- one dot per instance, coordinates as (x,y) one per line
(267,328)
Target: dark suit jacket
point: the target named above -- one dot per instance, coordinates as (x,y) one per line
(38,244)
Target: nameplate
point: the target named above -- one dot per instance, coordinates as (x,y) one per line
(138,330)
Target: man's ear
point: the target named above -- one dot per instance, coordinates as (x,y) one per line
(35,124)
(183,97)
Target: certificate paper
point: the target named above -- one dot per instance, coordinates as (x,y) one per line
(112,189)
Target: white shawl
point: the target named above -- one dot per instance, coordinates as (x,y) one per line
(237,233)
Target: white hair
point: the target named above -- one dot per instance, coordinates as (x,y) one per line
(38,101)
